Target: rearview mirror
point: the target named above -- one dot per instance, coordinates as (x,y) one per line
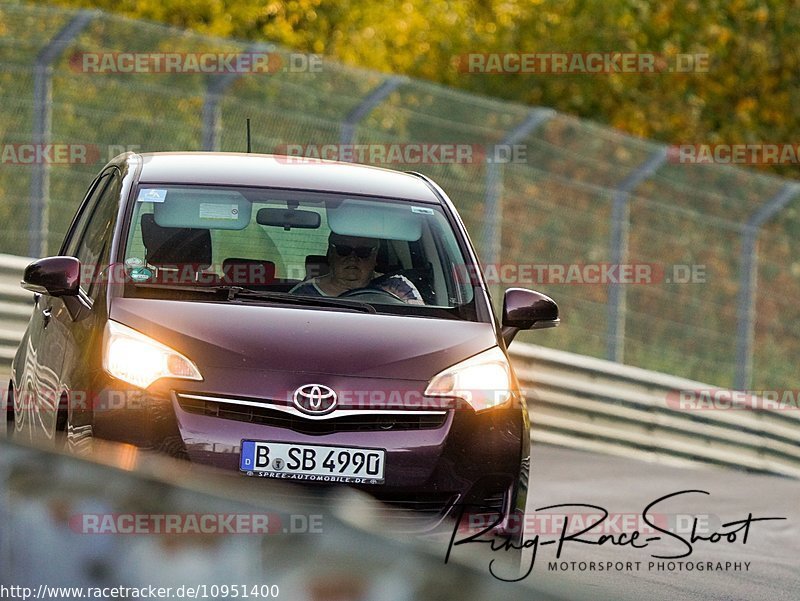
(288,218)
(53,276)
(527,310)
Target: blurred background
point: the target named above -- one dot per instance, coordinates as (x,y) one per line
(592,181)
(596,186)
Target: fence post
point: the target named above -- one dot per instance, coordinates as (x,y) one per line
(748,277)
(491,239)
(215,90)
(620,225)
(363,109)
(42,121)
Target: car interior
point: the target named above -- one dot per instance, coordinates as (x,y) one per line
(284,245)
(185,254)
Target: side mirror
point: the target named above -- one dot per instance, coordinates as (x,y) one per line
(527,310)
(54,276)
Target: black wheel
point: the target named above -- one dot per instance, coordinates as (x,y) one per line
(9,411)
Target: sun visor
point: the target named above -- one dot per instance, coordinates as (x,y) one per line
(206,209)
(371,220)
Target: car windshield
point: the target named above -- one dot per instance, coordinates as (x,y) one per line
(265,245)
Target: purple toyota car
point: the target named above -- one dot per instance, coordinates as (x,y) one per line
(281,318)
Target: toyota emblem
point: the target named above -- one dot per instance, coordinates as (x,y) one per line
(314,399)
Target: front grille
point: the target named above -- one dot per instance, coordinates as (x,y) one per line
(391,422)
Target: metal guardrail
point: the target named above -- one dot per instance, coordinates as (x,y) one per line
(597,405)
(16,305)
(118,517)
(579,402)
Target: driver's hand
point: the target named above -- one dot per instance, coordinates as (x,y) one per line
(402,288)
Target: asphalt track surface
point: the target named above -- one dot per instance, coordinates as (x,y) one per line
(765,568)
(625,486)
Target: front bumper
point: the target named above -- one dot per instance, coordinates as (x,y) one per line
(459,458)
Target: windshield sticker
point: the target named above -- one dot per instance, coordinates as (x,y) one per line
(151,195)
(422,210)
(211,210)
(140,274)
(134,262)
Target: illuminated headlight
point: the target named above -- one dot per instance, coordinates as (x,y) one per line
(140,360)
(483,381)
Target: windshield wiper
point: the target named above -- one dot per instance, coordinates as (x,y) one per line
(238,292)
(235,292)
(179,288)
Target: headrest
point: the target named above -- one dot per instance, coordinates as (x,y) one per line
(248,272)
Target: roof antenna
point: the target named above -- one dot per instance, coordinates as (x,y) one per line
(248,136)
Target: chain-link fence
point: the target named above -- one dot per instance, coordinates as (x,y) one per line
(551,200)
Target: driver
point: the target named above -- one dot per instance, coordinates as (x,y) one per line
(352,265)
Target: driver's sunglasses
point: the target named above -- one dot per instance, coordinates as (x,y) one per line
(362,252)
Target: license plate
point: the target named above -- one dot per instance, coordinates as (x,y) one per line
(319,463)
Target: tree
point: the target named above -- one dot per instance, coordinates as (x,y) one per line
(748,94)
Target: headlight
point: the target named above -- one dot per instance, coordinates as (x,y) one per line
(140,360)
(483,381)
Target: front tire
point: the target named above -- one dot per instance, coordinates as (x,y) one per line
(9,429)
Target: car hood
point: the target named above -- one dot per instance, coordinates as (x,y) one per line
(238,336)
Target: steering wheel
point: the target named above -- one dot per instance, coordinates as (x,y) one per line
(376,295)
